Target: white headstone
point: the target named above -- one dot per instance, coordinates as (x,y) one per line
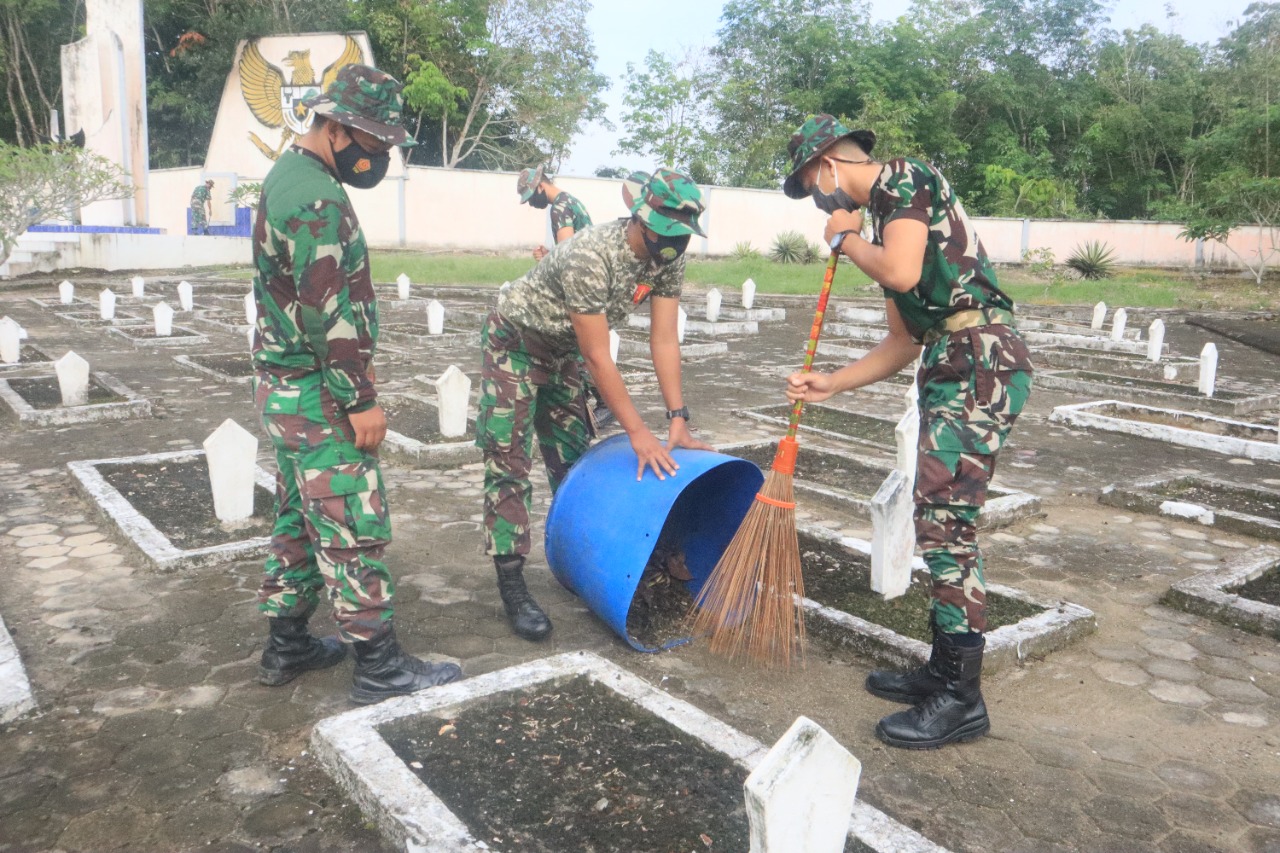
(681,319)
(139,285)
(893,535)
(231,451)
(66,292)
(615,341)
(73,379)
(1099,316)
(907,433)
(185,302)
(10,340)
(435,318)
(453,393)
(1118,323)
(250,308)
(713,305)
(402,286)
(1155,340)
(748,293)
(252,330)
(163,315)
(800,796)
(107,304)
(1208,369)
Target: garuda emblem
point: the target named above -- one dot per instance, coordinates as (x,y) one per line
(276,103)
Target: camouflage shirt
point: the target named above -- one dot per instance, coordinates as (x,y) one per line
(316,307)
(199,196)
(956,275)
(594,273)
(567,212)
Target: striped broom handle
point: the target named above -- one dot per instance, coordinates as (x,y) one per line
(814,333)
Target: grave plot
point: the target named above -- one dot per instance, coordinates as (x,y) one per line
(566,753)
(149,336)
(92,317)
(1244,593)
(1050,325)
(842,610)
(896,384)
(36,401)
(414,436)
(830,422)
(852,481)
(29,355)
(1169,369)
(1205,432)
(230,367)
(701,328)
(221,318)
(1247,510)
(163,504)
(403,334)
(755,315)
(1223,401)
(693,346)
(1094,343)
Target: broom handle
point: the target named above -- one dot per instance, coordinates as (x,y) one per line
(815,332)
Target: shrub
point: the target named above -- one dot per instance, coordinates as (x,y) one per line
(744,251)
(790,247)
(1039,262)
(1093,260)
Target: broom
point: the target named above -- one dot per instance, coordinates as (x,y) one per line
(752,600)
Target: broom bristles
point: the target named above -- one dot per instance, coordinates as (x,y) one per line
(752,601)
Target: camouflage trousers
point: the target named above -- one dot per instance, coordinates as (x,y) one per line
(527,391)
(199,221)
(973,384)
(332,521)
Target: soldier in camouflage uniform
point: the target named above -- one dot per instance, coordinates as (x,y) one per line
(201,208)
(531,388)
(974,379)
(313,349)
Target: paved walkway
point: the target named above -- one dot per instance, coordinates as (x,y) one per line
(1157,733)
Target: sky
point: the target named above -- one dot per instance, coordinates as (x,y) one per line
(676,27)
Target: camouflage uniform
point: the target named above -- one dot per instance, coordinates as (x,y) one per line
(200,197)
(317,329)
(530,383)
(974,379)
(567,212)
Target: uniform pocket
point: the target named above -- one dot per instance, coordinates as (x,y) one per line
(282,400)
(348,503)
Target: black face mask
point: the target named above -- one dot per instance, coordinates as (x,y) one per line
(664,250)
(538,200)
(359,168)
(838,199)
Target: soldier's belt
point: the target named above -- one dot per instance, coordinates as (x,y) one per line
(968,320)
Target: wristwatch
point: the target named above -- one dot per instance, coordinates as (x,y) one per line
(682,412)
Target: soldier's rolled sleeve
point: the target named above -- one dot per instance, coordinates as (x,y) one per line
(342,345)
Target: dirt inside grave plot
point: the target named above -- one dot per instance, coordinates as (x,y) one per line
(842,581)
(571,766)
(1264,588)
(1149,384)
(176,497)
(419,421)
(1196,424)
(45,393)
(1236,499)
(148,333)
(235,364)
(28,355)
(851,424)
(826,469)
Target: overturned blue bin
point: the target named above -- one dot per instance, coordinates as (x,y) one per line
(603,525)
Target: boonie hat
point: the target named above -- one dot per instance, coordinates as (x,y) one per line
(527,182)
(667,201)
(367,99)
(815,136)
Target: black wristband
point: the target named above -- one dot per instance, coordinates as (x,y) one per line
(682,412)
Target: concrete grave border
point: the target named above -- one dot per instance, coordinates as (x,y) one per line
(635,345)
(1210,593)
(1060,623)
(238,325)
(1057,380)
(1084,415)
(18,366)
(755,414)
(406,811)
(15,688)
(138,529)
(702,327)
(754,315)
(191,339)
(93,319)
(133,406)
(443,455)
(1170,369)
(1142,497)
(451,336)
(185,361)
(1007,507)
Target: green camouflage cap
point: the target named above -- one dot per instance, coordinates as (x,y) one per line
(667,201)
(815,136)
(367,99)
(527,182)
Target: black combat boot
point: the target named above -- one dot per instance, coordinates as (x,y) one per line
(954,714)
(911,687)
(527,618)
(384,670)
(291,651)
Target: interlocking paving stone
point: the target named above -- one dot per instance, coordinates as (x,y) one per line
(1121,673)
(1180,694)
(1235,690)
(1254,721)
(1172,670)
(1173,649)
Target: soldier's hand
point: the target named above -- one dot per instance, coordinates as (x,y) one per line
(370,427)
(809,387)
(842,220)
(539,253)
(680,436)
(650,453)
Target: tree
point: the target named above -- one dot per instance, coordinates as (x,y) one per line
(31,32)
(663,110)
(45,181)
(1235,199)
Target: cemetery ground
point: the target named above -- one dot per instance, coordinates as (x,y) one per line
(1159,731)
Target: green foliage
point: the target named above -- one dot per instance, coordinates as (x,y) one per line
(663,110)
(1039,262)
(1094,260)
(744,251)
(246,194)
(790,247)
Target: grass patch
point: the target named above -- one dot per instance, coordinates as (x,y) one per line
(1141,288)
